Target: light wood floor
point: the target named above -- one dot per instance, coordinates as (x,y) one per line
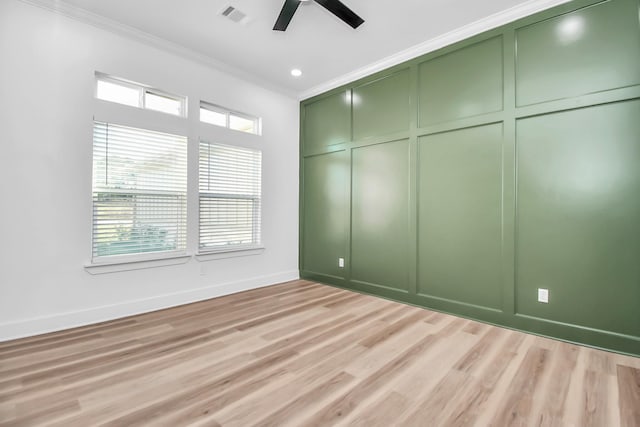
(304,354)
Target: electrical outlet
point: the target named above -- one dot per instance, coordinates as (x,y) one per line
(543,295)
(341,262)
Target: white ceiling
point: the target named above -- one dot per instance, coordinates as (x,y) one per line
(327,51)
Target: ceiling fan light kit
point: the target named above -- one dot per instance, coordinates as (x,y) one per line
(336,7)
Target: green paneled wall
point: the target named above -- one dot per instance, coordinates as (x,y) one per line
(370,118)
(466,179)
(328,122)
(460,215)
(477,95)
(578,228)
(582,52)
(325,201)
(380,214)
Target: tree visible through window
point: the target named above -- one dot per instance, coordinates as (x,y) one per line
(139,191)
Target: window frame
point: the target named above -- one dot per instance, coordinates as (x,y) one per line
(147,119)
(256,200)
(143,90)
(257,121)
(142,259)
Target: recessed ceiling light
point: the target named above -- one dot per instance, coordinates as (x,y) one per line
(296,72)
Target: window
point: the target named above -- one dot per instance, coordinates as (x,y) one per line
(137,95)
(213,115)
(221,116)
(243,123)
(139,191)
(229,182)
(118,92)
(163,103)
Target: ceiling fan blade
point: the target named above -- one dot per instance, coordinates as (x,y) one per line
(288,9)
(341,11)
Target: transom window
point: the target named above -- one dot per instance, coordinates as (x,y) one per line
(220,116)
(125,92)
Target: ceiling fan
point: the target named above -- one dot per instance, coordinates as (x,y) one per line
(334,6)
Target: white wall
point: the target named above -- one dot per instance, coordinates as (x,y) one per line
(47,65)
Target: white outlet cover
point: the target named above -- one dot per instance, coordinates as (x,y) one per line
(341,262)
(543,295)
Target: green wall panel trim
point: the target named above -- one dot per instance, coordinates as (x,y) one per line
(447,93)
(592,49)
(565,332)
(572,333)
(323,278)
(460,215)
(327,121)
(578,219)
(324,226)
(382,106)
(591,72)
(588,100)
(367,288)
(377,288)
(380,214)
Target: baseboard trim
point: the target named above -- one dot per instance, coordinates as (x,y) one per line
(595,338)
(62,321)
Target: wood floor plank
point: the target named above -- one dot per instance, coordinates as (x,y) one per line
(556,393)
(137,389)
(303,354)
(594,403)
(204,409)
(347,402)
(178,399)
(85,385)
(383,412)
(629,395)
(29,418)
(473,400)
(516,409)
(274,332)
(379,355)
(251,412)
(333,325)
(475,355)
(437,367)
(316,367)
(439,403)
(385,333)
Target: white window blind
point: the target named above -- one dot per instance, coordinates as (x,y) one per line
(230,180)
(139,191)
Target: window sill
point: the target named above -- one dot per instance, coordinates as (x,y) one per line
(135,264)
(229,253)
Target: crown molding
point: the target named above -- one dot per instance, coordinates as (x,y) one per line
(110,25)
(493,21)
(501,18)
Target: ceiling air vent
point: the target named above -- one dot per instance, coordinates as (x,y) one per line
(235,15)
